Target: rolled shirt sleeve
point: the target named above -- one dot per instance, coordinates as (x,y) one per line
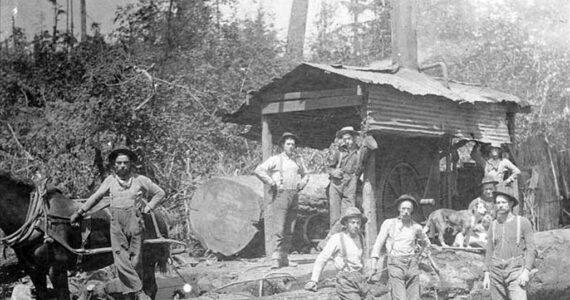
(98,195)
(381,239)
(262,171)
(530,244)
(153,190)
(332,246)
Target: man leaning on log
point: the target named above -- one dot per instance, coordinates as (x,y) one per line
(286,175)
(127,190)
(511,250)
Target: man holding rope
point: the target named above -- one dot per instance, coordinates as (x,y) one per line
(127,190)
(401,237)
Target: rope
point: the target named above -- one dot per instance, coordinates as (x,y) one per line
(35,210)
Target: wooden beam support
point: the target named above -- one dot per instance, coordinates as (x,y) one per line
(310,95)
(266,150)
(369,200)
(312,104)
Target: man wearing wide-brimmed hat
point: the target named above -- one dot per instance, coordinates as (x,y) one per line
(497,165)
(401,236)
(126,190)
(511,250)
(346,250)
(344,170)
(286,175)
(488,187)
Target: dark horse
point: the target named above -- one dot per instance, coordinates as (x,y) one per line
(41,255)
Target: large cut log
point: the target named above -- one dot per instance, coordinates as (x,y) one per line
(461,272)
(225,212)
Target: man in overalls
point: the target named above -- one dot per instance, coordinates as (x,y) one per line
(127,190)
(401,237)
(511,250)
(285,175)
(346,249)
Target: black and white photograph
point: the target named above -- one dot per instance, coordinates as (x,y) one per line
(284,149)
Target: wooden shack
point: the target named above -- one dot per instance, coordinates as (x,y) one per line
(414,117)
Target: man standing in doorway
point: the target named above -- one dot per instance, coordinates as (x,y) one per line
(344,171)
(127,191)
(401,236)
(285,175)
(511,250)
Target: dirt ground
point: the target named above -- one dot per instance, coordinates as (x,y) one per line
(460,276)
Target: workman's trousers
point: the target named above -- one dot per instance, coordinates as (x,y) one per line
(126,241)
(504,276)
(280,214)
(352,285)
(342,195)
(404,276)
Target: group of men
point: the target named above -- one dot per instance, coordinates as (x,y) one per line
(509,257)
(510,251)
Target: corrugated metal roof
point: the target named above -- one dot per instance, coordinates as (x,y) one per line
(417,83)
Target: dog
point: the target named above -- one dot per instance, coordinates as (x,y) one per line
(458,222)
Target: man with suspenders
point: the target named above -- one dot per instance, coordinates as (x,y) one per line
(285,175)
(346,249)
(344,171)
(511,250)
(401,237)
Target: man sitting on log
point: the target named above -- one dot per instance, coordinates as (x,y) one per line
(401,237)
(346,250)
(281,172)
(510,251)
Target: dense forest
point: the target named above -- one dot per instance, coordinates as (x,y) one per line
(163,80)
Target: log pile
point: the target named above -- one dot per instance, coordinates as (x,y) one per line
(462,272)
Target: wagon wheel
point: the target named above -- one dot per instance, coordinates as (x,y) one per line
(403,178)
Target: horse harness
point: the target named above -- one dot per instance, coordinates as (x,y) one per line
(39,218)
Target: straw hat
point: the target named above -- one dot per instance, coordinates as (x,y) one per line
(406,197)
(488,179)
(288,135)
(352,212)
(348,129)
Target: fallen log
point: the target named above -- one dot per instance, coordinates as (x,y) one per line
(461,273)
(226,212)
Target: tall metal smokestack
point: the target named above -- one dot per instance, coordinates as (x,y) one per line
(297,27)
(404,37)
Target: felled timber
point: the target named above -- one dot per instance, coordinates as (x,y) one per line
(226,212)
(461,272)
